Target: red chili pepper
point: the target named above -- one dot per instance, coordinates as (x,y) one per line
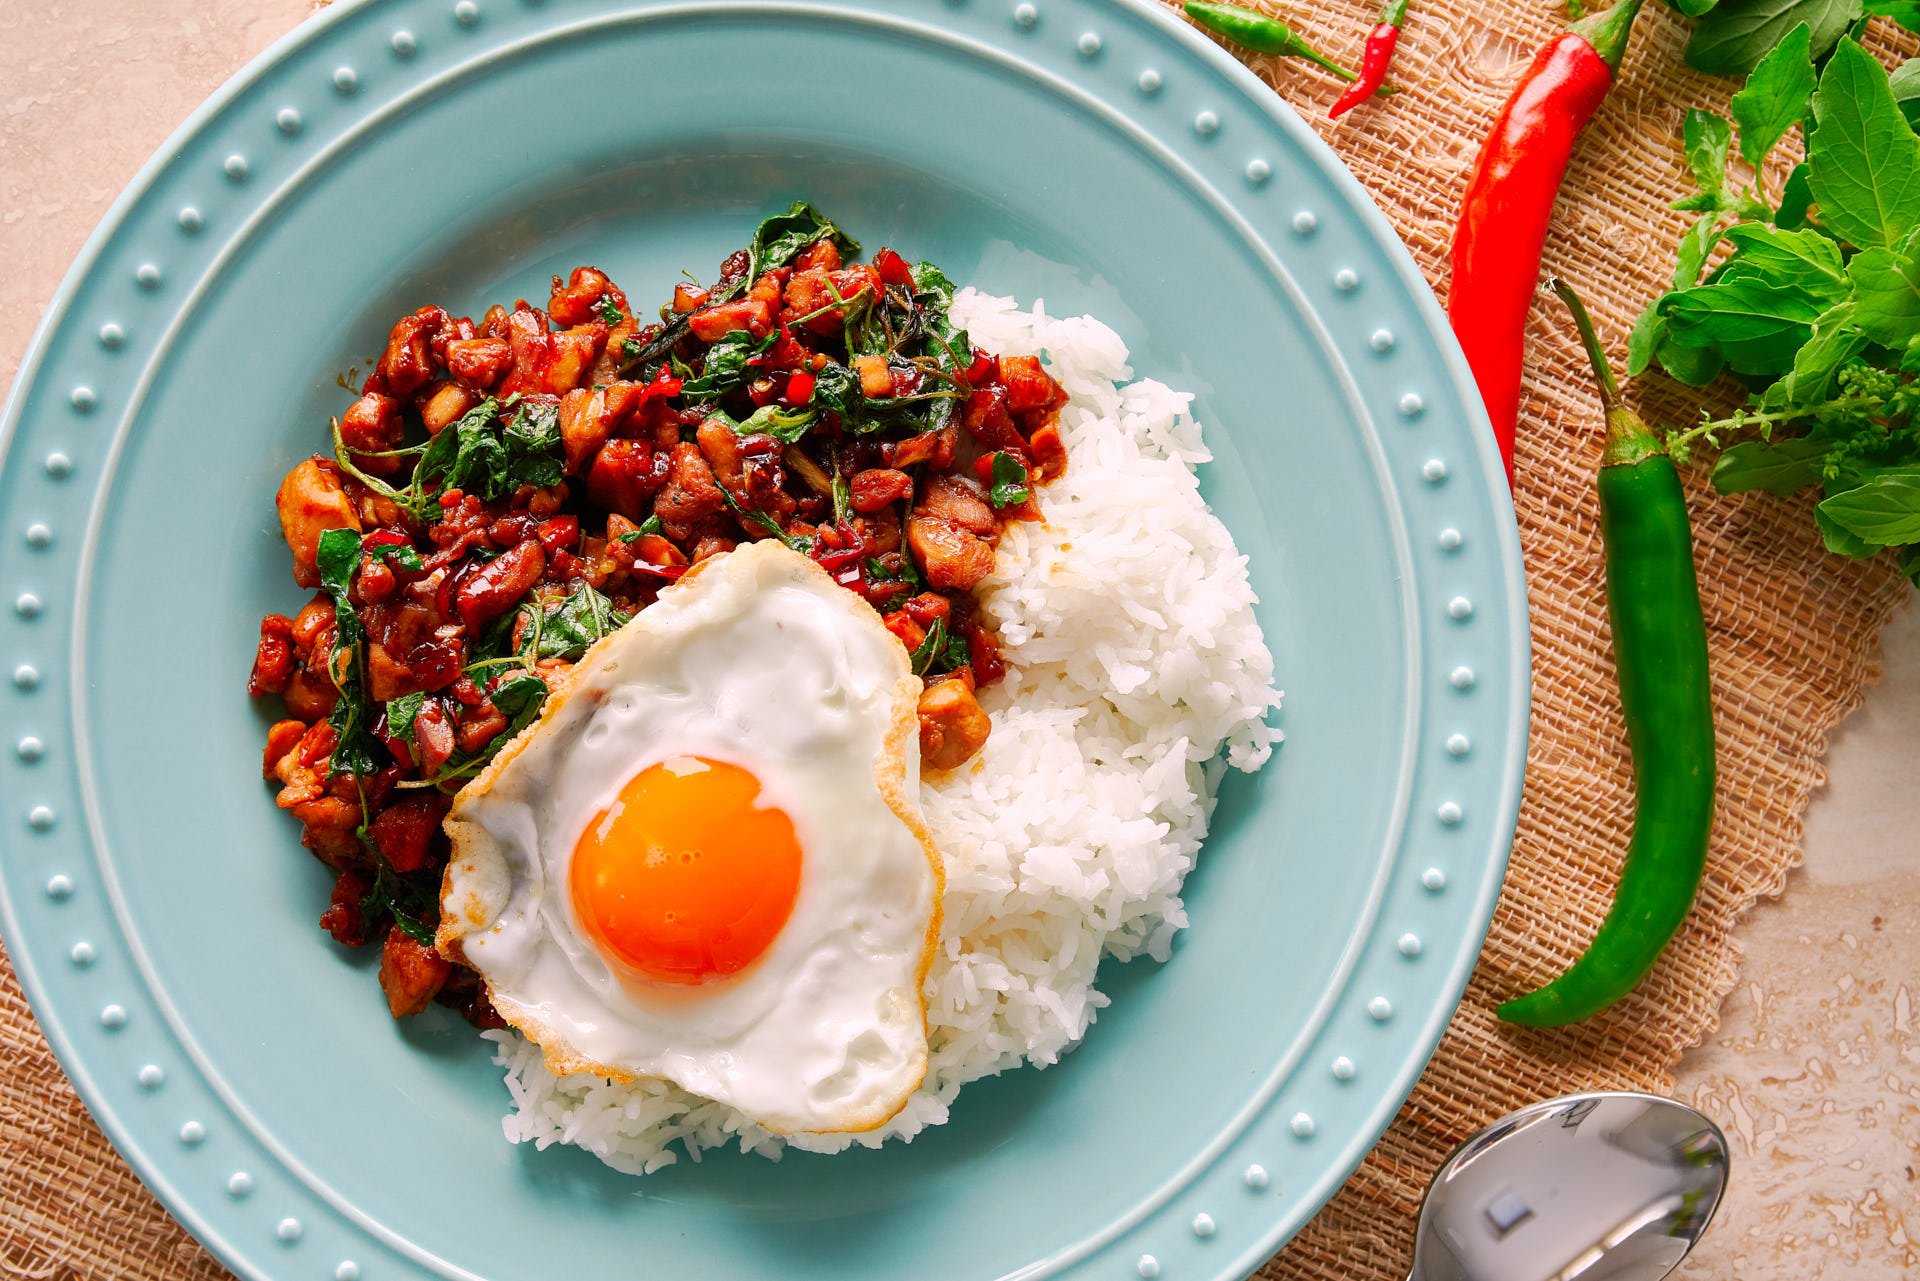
(1509,203)
(663,387)
(800,388)
(852,549)
(853,578)
(893,269)
(1375,61)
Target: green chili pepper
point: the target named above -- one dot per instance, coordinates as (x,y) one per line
(1260,33)
(1660,653)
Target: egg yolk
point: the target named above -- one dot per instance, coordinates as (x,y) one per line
(686,877)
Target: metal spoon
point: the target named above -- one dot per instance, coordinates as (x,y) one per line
(1598,1187)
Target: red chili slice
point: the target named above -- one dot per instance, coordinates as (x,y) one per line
(893,268)
(983,367)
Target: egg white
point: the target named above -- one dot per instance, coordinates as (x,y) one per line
(759,659)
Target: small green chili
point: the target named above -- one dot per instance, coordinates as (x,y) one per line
(1260,33)
(1660,653)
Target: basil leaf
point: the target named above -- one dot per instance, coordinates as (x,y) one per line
(958,652)
(1796,199)
(1886,289)
(1863,157)
(531,451)
(1838,539)
(356,752)
(779,239)
(1836,340)
(1751,324)
(1645,339)
(475,454)
(336,557)
(637,355)
(564,628)
(933,646)
(403,555)
(1804,260)
(520,697)
(1775,97)
(1779,467)
(401,711)
(1904,12)
(842,498)
(941,652)
(1905,83)
(1650,330)
(1885,511)
(784,425)
(947,343)
(907,573)
(725,369)
(748,516)
(836,388)
(1695,248)
(447,453)
(1733,38)
(1707,136)
(1759,307)
(479,460)
(409,903)
(1694,366)
(1010,482)
(869,332)
(1701,202)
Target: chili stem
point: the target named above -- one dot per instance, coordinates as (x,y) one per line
(1589,339)
(1607,31)
(1628,438)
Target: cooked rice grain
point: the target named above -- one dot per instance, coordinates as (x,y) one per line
(1137,675)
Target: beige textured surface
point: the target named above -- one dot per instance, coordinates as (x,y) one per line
(94,88)
(1815,1070)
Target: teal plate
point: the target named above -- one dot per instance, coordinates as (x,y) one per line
(1092,152)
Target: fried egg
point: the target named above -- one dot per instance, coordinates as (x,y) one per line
(705,861)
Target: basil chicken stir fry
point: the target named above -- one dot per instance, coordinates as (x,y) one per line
(504,492)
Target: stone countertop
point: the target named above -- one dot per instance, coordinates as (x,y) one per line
(1815,1070)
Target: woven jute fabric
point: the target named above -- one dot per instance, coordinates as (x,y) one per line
(1792,630)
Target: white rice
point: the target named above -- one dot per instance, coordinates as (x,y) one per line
(1136,676)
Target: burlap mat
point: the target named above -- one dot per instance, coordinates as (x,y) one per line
(1792,630)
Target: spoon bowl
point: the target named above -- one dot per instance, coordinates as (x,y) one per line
(1590,1187)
